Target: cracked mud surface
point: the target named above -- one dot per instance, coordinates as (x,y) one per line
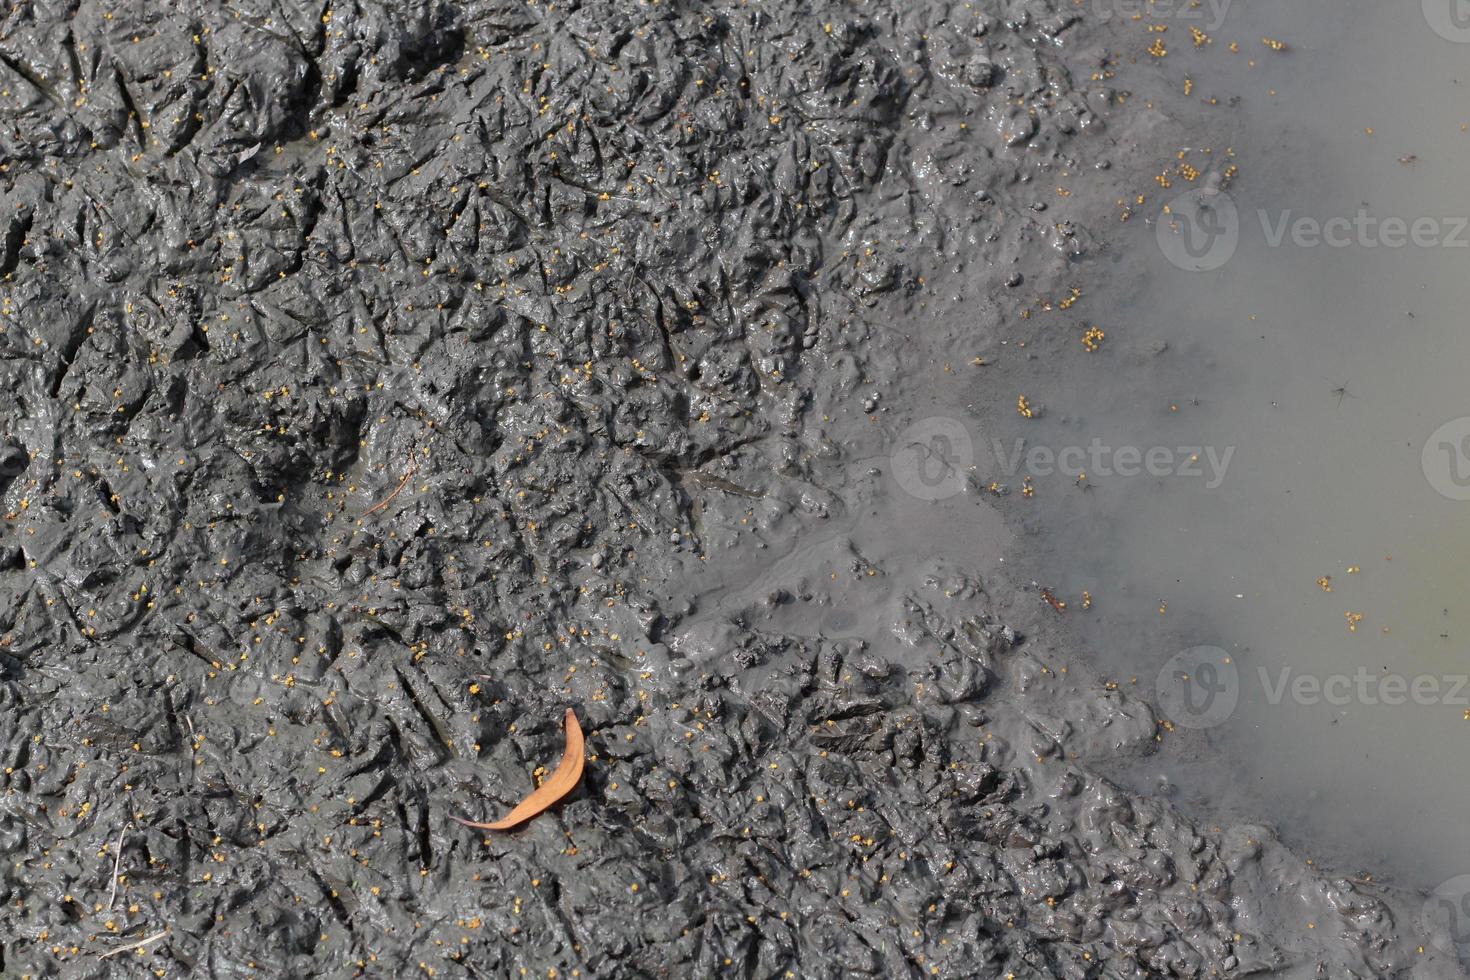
(377,385)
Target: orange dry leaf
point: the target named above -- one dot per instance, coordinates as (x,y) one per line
(563,781)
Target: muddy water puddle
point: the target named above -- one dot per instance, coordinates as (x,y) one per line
(1238,461)
(1273,431)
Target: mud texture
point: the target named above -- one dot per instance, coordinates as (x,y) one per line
(380,380)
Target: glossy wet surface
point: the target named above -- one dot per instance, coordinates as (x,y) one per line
(1320,539)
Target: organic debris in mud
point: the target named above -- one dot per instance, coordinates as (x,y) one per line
(563,781)
(413,467)
(140,944)
(116,866)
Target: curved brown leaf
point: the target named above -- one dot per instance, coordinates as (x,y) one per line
(563,781)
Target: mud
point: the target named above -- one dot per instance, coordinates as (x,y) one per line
(379,384)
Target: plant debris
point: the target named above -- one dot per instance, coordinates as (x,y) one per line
(563,781)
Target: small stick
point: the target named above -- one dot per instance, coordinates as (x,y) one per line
(413,467)
(137,945)
(116,865)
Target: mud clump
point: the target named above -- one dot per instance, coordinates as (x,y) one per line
(375,377)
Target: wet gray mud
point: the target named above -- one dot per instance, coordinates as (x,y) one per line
(381,380)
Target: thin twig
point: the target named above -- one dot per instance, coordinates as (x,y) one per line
(413,467)
(117,864)
(137,945)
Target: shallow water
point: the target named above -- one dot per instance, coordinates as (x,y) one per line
(1318,374)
